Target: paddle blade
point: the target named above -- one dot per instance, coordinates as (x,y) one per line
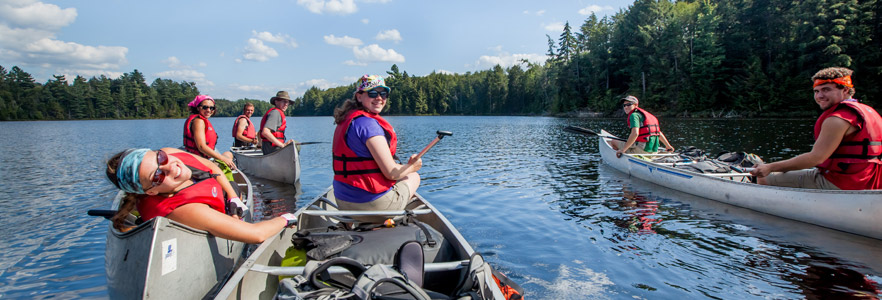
(580,130)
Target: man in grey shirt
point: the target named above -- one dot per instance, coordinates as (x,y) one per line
(273,124)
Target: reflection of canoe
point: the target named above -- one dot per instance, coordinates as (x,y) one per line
(282,165)
(257,278)
(850,211)
(164,259)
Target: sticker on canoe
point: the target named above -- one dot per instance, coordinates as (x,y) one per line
(169,256)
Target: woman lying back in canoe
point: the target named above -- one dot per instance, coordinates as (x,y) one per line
(185,188)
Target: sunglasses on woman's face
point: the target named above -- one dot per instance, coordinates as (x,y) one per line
(373,94)
(159,175)
(211,108)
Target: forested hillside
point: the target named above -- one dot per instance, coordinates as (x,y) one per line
(686,58)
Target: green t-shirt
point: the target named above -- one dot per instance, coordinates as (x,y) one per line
(652,141)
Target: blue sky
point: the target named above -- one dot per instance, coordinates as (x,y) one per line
(251,49)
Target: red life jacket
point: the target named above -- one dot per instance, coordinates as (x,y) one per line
(649,126)
(863,146)
(280,132)
(190,140)
(357,171)
(208,191)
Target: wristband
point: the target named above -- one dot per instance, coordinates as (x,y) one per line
(291,218)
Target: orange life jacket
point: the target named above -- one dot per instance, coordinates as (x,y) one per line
(358,171)
(190,140)
(279,133)
(649,126)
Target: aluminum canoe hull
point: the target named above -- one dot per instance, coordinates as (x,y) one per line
(282,165)
(164,259)
(254,280)
(849,211)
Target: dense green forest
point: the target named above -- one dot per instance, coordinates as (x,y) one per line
(685,58)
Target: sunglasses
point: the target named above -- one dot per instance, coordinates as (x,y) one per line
(627,104)
(373,94)
(207,107)
(159,175)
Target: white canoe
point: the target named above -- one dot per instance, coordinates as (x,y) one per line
(850,211)
(257,278)
(164,259)
(282,165)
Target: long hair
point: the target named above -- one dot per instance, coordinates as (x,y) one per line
(129,201)
(347,106)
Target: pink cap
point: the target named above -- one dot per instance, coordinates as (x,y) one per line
(196,101)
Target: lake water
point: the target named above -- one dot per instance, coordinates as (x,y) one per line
(535,200)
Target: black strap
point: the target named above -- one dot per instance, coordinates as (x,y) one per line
(353,266)
(411,218)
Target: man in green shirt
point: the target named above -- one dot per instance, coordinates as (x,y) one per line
(645,131)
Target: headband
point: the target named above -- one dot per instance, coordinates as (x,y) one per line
(844,80)
(127,171)
(196,101)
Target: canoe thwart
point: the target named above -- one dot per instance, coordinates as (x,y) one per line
(351,213)
(292,271)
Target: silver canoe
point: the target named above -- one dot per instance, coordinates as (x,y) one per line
(282,165)
(850,211)
(257,278)
(164,259)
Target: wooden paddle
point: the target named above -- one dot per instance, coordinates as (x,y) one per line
(586,131)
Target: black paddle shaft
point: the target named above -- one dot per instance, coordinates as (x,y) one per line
(586,131)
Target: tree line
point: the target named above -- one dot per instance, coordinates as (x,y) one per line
(126,97)
(684,58)
(704,58)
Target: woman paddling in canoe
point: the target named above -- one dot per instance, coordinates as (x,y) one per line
(847,154)
(199,135)
(187,189)
(365,175)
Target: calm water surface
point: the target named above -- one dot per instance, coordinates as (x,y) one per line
(535,200)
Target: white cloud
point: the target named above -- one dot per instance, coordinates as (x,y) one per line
(373,53)
(340,7)
(345,41)
(186,75)
(319,83)
(256,50)
(250,88)
(354,63)
(391,35)
(173,62)
(595,9)
(277,38)
(538,12)
(365,21)
(506,60)
(28,32)
(554,27)
(442,71)
(375,1)
(33,14)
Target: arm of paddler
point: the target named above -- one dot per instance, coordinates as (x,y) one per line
(203,217)
(198,130)
(832,131)
(267,135)
(383,156)
(632,138)
(664,139)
